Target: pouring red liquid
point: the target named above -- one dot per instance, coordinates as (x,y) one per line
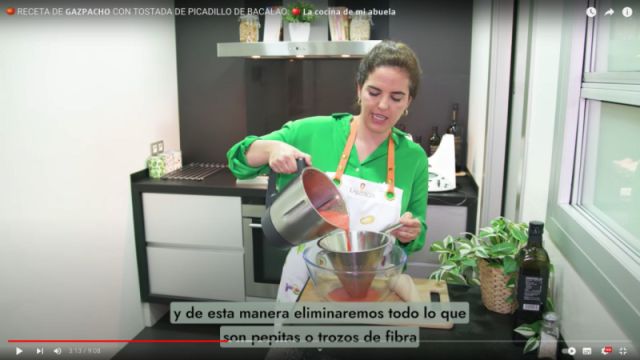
(339,220)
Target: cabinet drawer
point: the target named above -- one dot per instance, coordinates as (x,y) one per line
(214,221)
(196,273)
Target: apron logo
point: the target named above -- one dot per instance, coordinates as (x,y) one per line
(361,191)
(366,220)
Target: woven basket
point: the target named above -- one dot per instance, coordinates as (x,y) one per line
(494,290)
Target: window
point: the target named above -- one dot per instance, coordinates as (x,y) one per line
(594,204)
(610,181)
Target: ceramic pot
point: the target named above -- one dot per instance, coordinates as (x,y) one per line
(299,31)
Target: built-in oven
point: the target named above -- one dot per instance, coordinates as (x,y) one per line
(262,262)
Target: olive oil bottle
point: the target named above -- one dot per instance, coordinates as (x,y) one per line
(533,277)
(454,129)
(434,141)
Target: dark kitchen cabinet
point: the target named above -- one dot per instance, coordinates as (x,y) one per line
(222,100)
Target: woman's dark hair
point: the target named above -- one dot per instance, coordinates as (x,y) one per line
(391,53)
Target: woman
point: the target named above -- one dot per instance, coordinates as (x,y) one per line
(381,173)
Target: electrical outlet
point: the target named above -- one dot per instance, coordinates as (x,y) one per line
(157,147)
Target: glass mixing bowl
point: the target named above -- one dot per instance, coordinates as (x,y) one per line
(359,285)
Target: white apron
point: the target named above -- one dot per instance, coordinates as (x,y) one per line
(371,206)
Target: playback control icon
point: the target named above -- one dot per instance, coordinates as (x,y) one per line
(40,351)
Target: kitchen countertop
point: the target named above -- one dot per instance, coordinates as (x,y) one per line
(487,336)
(223,183)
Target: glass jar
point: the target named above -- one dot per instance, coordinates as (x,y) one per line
(249,28)
(360,27)
(549,335)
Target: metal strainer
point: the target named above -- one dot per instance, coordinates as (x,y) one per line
(355,268)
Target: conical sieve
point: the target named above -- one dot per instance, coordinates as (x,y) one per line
(355,268)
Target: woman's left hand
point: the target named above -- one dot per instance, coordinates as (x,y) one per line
(410,228)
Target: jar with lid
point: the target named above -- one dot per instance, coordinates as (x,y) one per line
(249,28)
(360,27)
(549,335)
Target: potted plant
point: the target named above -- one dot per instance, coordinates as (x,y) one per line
(299,16)
(487,259)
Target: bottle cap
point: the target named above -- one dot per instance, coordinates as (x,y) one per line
(536,228)
(550,316)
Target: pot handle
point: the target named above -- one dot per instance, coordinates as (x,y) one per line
(272,195)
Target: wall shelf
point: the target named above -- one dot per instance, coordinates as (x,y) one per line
(288,49)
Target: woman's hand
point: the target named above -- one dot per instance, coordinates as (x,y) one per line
(410,228)
(282,158)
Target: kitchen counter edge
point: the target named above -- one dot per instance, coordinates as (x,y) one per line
(223,183)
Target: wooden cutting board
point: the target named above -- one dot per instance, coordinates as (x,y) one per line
(425,287)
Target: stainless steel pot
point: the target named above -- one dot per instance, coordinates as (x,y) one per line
(293,215)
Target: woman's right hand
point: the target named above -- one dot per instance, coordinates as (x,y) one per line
(282,158)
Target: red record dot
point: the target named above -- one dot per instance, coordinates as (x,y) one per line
(295,11)
(10,11)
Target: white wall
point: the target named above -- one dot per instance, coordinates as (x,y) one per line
(478,91)
(81,99)
(584,319)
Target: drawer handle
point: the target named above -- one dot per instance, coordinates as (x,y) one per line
(255,226)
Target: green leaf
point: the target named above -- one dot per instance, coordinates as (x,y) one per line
(469,262)
(448,240)
(510,265)
(499,224)
(531,344)
(528,330)
(518,234)
(549,304)
(464,252)
(456,279)
(436,275)
(509,299)
(481,252)
(525,330)
(511,282)
(442,251)
(306,13)
(503,249)
(485,232)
